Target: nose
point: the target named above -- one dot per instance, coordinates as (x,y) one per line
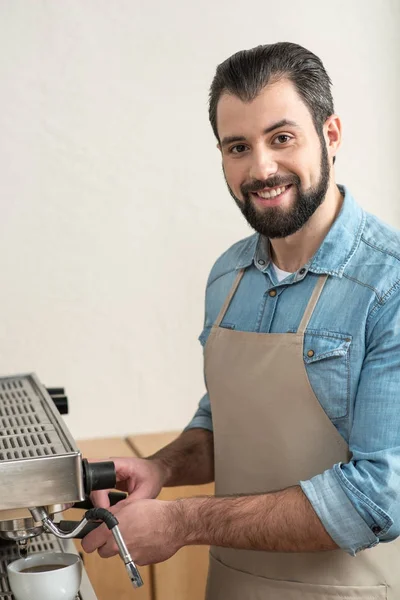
(263,165)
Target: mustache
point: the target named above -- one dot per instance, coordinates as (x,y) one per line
(276,181)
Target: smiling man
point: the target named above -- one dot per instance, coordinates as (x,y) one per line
(292,175)
(300,425)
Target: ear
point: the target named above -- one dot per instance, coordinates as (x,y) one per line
(333,135)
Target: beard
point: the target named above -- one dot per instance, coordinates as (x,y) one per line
(275,222)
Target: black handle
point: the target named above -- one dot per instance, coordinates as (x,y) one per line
(61,403)
(114,498)
(59,398)
(68,526)
(55,391)
(98,476)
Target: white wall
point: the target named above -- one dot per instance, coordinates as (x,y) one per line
(113,206)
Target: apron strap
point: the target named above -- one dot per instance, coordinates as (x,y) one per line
(312,303)
(229,298)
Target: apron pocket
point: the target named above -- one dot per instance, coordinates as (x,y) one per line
(225,583)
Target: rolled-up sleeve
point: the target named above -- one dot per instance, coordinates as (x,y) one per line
(359,502)
(337,513)
(202,417)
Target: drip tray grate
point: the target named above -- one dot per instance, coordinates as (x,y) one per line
(27,428)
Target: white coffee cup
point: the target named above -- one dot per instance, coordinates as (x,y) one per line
(62,583)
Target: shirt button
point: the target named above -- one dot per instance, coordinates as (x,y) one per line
(302,271)
(261,261)
(272,293)
(376,529)
(310,353)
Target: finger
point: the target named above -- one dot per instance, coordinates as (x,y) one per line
(119,506)
(100,499)
(108,549)
(95,539)
(122,468)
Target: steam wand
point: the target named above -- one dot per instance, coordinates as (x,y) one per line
(94,514)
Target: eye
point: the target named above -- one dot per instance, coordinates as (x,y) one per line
(282,138)
(238,149)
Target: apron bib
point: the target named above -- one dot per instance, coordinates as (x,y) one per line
(270,432)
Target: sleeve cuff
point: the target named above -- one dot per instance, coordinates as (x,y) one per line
(200,421)
(337,514)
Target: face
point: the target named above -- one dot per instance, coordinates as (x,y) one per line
(276,165)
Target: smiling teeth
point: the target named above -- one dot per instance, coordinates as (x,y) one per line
(273,193)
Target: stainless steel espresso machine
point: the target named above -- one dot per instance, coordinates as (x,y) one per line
(42,473)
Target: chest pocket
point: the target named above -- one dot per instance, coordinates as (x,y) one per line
(203,337)
(327,361)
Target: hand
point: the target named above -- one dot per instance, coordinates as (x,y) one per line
(139,477)
(151,530)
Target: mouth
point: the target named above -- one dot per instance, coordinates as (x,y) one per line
(271,196)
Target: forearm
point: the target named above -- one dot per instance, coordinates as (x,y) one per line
(188,460)
(281,521)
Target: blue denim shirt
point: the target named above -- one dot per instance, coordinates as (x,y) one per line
(355,368)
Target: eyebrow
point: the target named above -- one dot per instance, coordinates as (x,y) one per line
(239,138)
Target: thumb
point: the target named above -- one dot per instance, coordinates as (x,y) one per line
(100,499)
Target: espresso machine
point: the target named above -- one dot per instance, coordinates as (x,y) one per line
(42,473)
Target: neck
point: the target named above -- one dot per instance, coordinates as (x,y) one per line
(292,252)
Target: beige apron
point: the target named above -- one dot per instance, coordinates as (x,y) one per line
(270,432)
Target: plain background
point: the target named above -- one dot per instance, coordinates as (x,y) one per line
(113,204)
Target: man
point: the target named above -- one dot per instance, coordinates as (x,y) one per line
(302,366)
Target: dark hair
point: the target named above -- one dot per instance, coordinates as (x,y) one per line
(247,72)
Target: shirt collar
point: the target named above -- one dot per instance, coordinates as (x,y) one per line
(335,252)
